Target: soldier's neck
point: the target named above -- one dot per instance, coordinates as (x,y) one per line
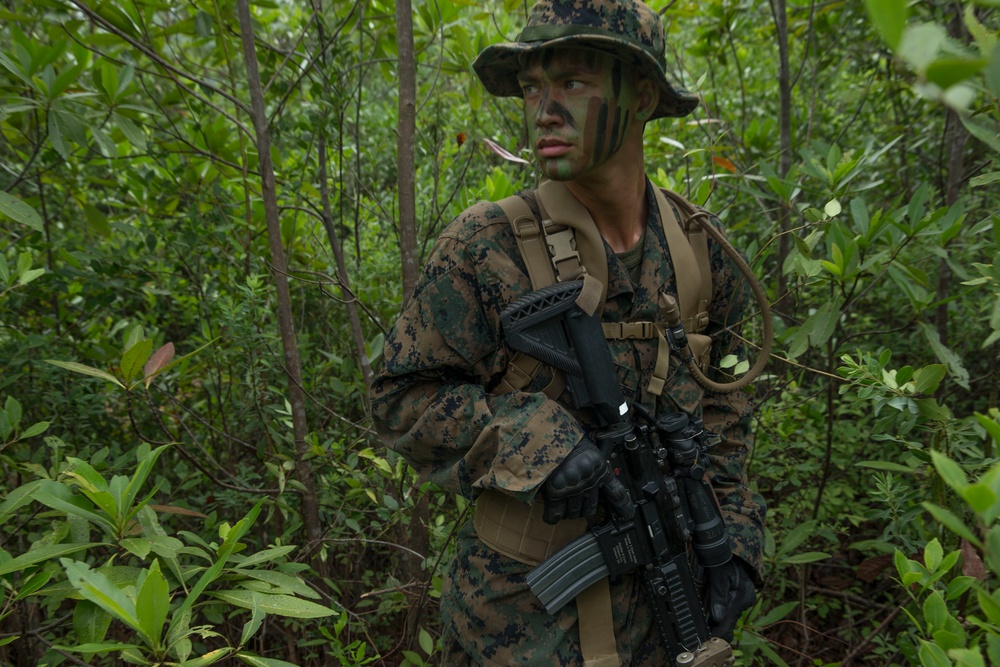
(616,199)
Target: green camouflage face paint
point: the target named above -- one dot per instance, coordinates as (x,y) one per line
(578,109)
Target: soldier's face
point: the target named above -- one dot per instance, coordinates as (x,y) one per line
(578,107)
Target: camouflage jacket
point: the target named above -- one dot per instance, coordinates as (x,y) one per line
(432,400)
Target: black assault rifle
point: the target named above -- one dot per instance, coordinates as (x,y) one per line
(670,510)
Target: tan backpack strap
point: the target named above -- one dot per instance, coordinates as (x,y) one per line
(530,237)
(580,249)
(596,625)
(530,240)
(688,273)
(695,318)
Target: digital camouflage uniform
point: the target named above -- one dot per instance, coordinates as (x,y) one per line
(432,404)
(433,400)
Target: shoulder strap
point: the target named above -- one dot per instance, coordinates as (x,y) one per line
(688,244)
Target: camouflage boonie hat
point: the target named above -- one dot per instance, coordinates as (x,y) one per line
(625,29)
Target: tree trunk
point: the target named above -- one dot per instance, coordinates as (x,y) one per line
(785,164)
(343,279)
(286,325)
(419,539)
(406,168)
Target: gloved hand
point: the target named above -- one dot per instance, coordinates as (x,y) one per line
(575,486)
(728,592)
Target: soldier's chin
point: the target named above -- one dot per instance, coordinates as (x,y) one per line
(551,170)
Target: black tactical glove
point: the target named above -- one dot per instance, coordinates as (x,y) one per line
(728,592)
(575,486)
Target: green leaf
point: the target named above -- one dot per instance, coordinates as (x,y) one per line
(776,614)
(950,472)
(886,465)
(287,583)
(96,587)
(139,477)
(949,70)
(980,497)
(927,379)
(955,366)
(17,210)
(209,658)
(832,208)
(85,370)
(135,358)
(257,661)
(35,429)
(251,627)
(889,18)
(935,612)
(44,553)
(32,584)
(807,557)
(932,655)
(951,522)
(920,44)
(152,602)
(985,179)
(932,556)
(266,555)
(90,622)
(14,411)
(280,605)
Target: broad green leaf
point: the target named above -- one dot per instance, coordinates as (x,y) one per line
(803,558)
(935,611)
(42,554)
(90,622)
(776,614)
(17,210)
(832,208)
(251,627)
(266,555)
(85,370)
(992,427)
(152,602)
(280,605)
(97,647)
(932,655)
(209,658)
(932,555)
(927,379)
(951,522)
(28,276)
(948,71)
(14,411)
(980,497)
(17,499)
(886,465)
(920,44)
(889,18)
(135,358)
(138,546)
(289,584)
(984,179)
(35,429)
(257,661)
(139,477)
(950,472)
(96,587)
(954,363)
(32,584)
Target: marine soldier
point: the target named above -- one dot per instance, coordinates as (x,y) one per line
(591,74)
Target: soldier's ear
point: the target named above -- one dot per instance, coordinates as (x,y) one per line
(648,95)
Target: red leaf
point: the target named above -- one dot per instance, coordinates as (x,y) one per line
(972,562)
(503,152)
(724,163)
(160,358)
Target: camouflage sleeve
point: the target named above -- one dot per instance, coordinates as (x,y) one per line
(430,401)
(729,415)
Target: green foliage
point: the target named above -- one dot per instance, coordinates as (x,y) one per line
(159,585)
